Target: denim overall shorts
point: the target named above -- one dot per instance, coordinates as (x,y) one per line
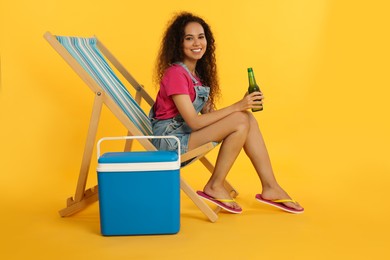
(177,126)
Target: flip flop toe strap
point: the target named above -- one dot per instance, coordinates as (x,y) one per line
(284,201)
(225,200)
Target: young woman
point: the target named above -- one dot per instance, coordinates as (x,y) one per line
(185,107)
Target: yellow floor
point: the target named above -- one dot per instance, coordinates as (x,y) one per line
(335,225)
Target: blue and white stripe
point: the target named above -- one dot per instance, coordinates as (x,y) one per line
(86,52)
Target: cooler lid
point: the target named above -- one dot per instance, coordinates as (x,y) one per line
(138,161)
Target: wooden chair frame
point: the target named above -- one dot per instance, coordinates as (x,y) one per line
(83,197)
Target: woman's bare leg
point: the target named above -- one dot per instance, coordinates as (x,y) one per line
(257,152)
(233,130)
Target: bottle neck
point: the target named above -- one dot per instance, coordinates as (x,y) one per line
(251,77)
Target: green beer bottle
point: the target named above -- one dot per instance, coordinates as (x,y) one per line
(253,87)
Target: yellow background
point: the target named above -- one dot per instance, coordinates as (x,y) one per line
(324,69)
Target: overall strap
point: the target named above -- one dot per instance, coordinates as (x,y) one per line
(194,80)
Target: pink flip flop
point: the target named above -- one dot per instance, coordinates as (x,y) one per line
(219,202)
(279,204)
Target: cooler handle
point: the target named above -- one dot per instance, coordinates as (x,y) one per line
(138,137)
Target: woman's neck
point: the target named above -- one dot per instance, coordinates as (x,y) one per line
(191,66)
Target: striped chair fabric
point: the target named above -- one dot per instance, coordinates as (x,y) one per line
(86,52)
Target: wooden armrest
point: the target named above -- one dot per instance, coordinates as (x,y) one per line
(197,152)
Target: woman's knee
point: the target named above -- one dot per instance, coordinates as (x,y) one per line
(252,120)
(241,121)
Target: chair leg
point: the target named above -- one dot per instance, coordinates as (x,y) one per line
(90,196)
(84,197)
(88,150)
(129,143)
(198,201)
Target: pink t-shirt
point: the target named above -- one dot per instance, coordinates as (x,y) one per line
(176,80)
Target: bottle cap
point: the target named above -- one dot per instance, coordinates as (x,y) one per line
(250,70)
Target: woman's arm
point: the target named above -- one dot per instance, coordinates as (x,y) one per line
(197,121)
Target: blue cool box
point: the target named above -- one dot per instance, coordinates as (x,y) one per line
(139,193)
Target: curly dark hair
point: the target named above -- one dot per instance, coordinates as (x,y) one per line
(171,51)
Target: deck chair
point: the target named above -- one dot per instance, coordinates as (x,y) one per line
(88,57)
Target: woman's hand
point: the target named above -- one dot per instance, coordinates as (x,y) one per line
(249,101)
(208,107)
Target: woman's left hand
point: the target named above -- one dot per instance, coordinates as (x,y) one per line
(208,107)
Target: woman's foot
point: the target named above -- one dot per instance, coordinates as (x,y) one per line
(222,195)
(276,194)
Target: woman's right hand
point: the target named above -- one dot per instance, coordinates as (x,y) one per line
(249,101)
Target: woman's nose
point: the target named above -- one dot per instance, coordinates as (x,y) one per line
(196,42)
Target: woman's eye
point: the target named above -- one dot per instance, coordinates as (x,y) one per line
(188,38)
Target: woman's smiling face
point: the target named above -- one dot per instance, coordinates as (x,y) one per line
(194,43)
